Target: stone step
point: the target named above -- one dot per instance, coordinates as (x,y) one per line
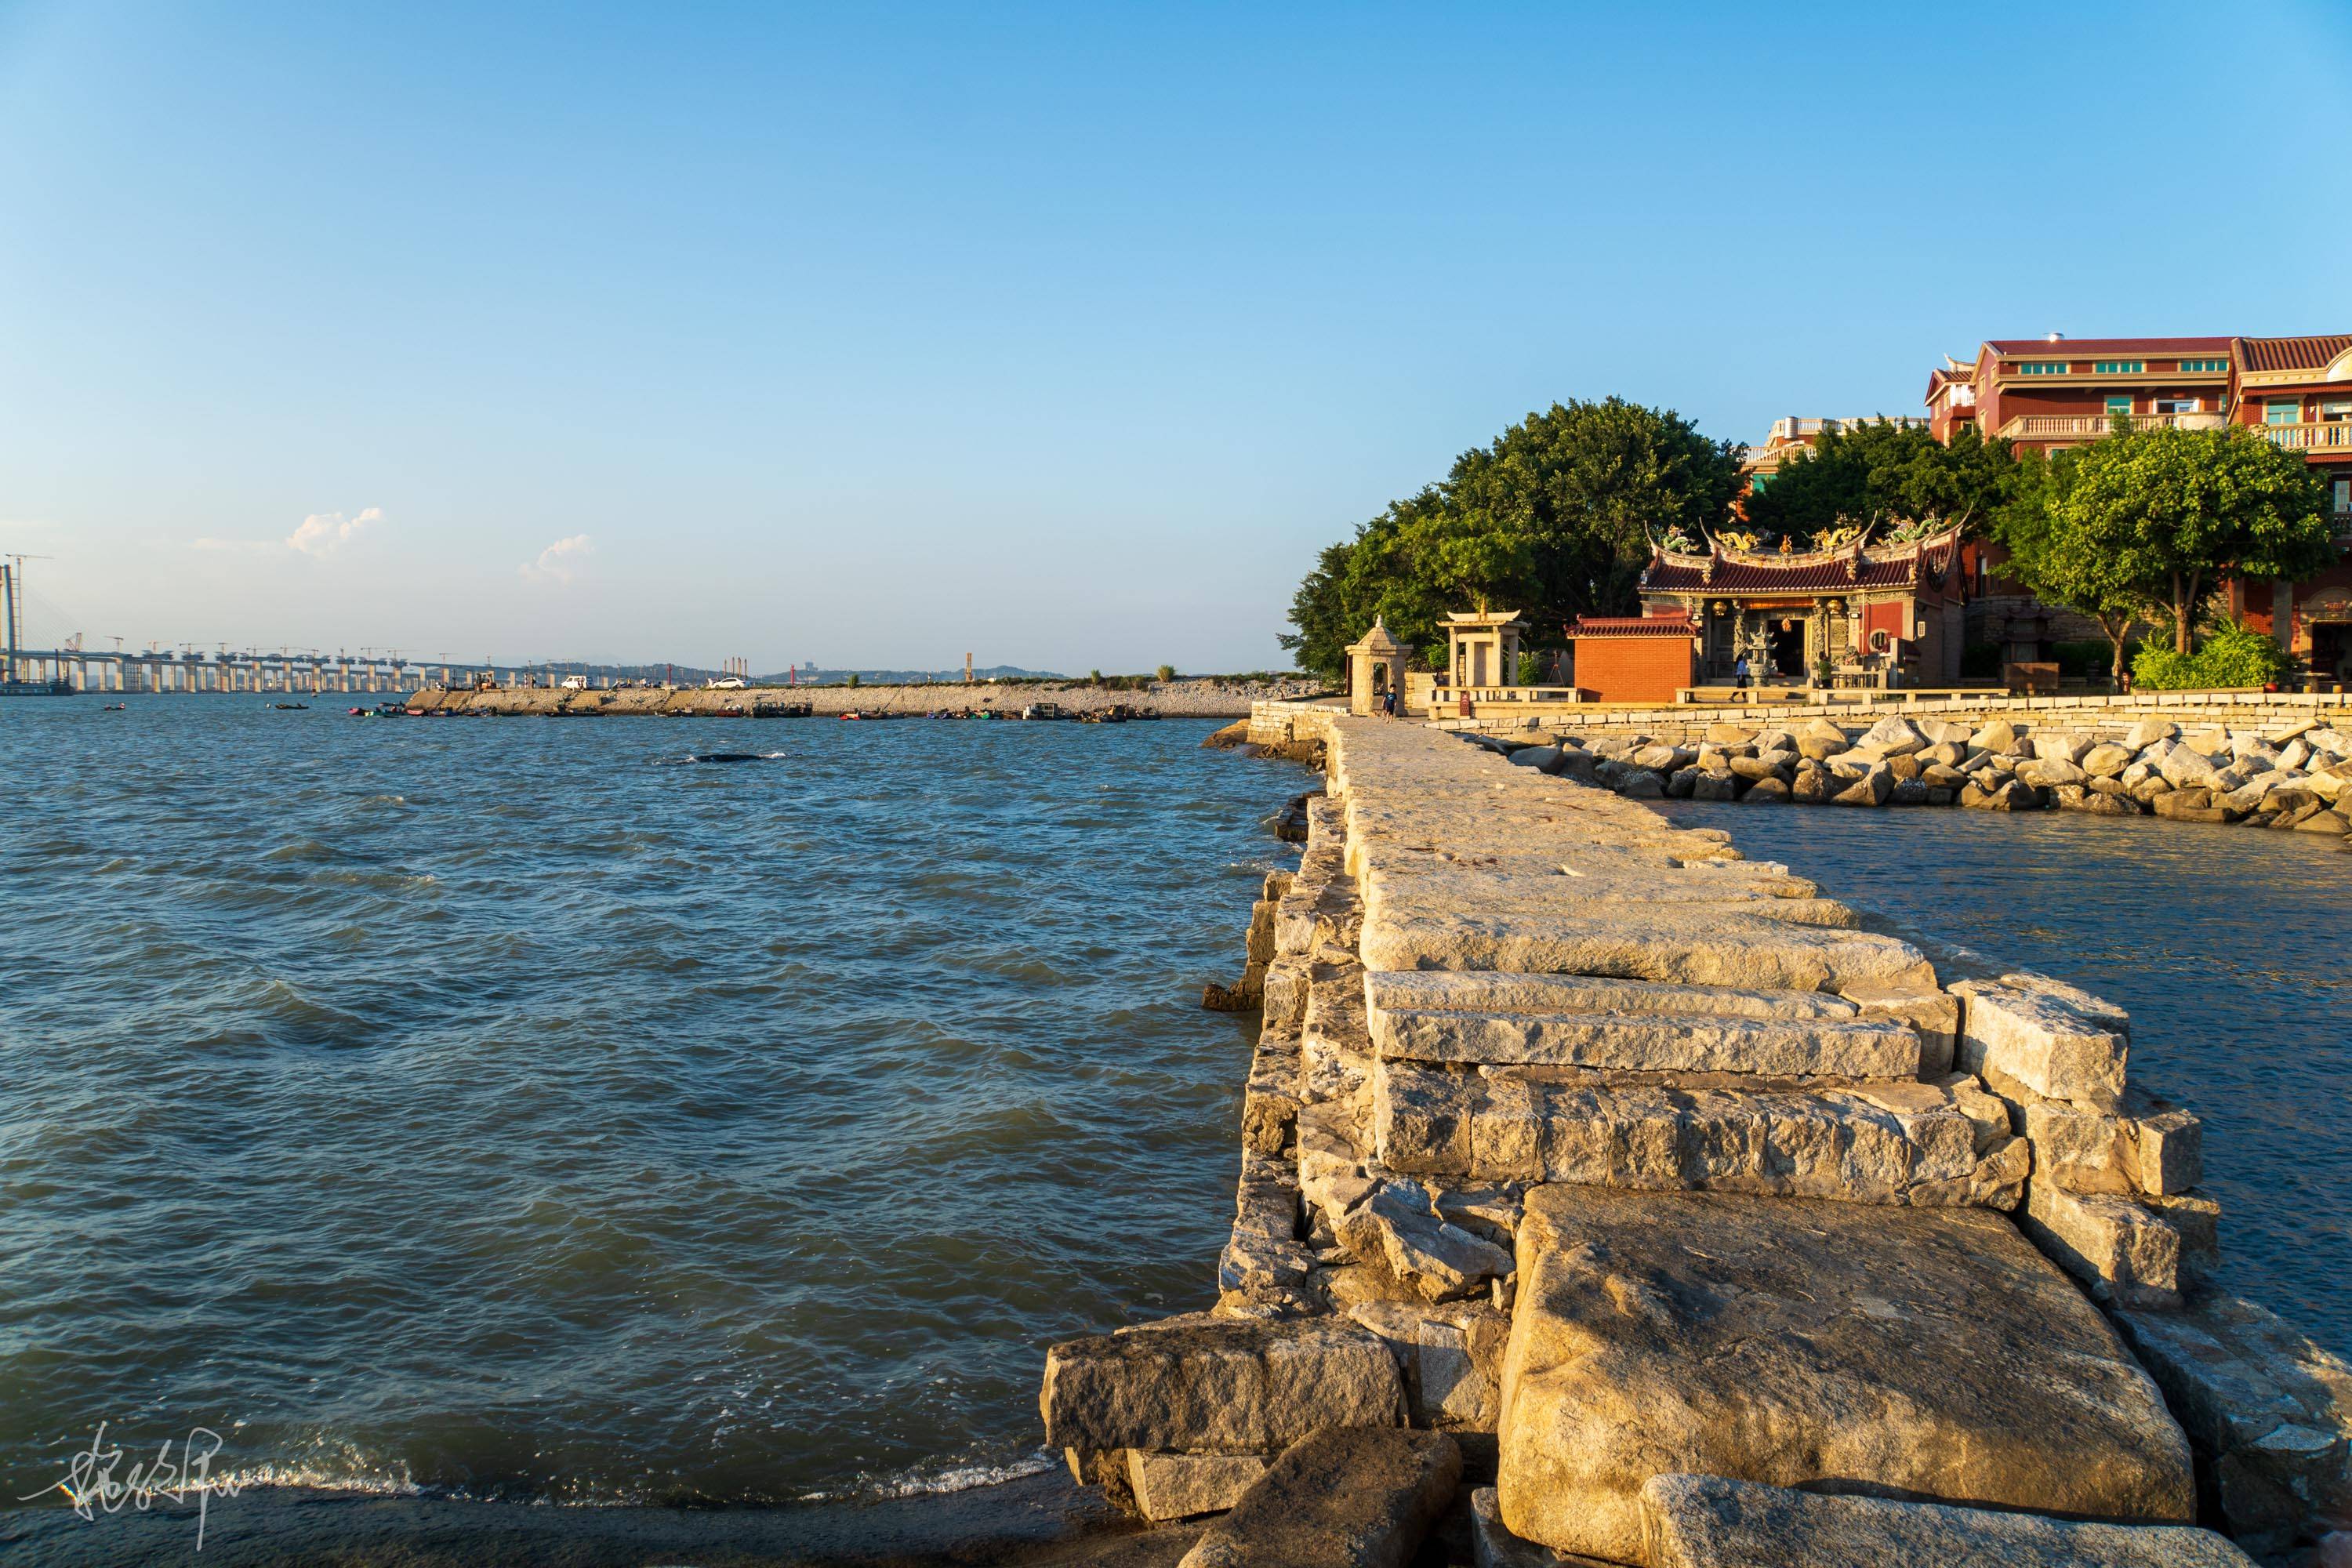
(1486,991)
(1656,1042)
(1924,1145)
(1927,1353)
(1711,1521)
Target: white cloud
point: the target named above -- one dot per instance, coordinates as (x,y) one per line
(559,561)
(322,533)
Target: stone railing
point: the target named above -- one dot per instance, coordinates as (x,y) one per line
(2091,427)
(2312,435)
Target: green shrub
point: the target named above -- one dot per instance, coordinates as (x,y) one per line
(2157,669)
(2237,654)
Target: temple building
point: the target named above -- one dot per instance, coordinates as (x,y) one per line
(1880,607)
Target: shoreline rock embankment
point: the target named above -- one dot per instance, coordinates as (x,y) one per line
(2293,778)
(1198,698)
(1612,1156)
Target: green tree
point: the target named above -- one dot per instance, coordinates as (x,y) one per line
(1877,468)
(1550,519)
(1166,672)
(2093,571)
(2183,510)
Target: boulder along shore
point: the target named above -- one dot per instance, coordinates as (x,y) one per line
(1606,1196)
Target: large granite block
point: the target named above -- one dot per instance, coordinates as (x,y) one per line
(1926,1353)
(2057,1041)
(1206,1385)
(1338,1499)
(1709,1521)
(1885,1143)
(1872,1048)
(2268,1410)
(2134,1252)
(1488,991)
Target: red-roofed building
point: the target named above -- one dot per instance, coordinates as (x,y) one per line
(2298,392)
(1892,608)
(2055,392)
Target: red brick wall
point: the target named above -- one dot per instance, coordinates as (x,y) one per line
(1632,669)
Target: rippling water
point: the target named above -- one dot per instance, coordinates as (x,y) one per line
(502,1105)
(2227,946)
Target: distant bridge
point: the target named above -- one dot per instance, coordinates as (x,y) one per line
(282,673)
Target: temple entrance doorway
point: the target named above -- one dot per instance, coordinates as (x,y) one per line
(1784,641)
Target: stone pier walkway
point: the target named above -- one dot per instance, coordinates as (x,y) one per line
(1615,1156)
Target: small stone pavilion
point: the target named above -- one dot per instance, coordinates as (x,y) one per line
(1877,614)
(1375,665)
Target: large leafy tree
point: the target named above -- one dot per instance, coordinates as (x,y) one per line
(2093,571)
(2179,510)
(1549,519)
(1878,467)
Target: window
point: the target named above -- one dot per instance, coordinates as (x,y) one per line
(2344,495)
(2289,412)
(2119,366)
(2119,405)
(2201,367)
(1756,483)
(2179,405)
(2043,367)
(2335,413)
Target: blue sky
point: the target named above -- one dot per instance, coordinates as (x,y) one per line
(1066,336)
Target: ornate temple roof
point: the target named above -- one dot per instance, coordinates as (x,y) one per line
(1852,563)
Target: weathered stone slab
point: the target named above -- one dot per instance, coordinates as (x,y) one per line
(2268,1411)
(1660,1042)
(1345,1498)
(2153,1150)
(1888,1143)
(1203,1386)
(2059,1042)
(1486,991)
(1926,1353)
(1184,1486)
(1711,1521)
(2135,1252)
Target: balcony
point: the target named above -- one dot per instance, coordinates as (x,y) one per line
(2091,427)
(2312,435)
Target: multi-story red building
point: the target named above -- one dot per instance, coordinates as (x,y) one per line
(2055,391)
(2298,392)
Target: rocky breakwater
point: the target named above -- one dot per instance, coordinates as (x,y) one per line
(1579,1152)
(2296,778)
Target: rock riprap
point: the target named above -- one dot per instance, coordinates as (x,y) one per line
(2292,777)
(1609,1154)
